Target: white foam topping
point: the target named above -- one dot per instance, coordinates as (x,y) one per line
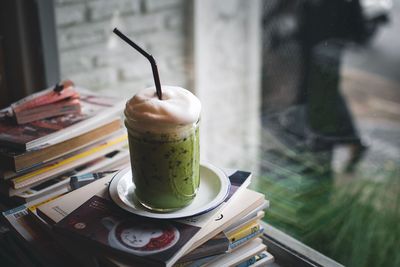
(177,107)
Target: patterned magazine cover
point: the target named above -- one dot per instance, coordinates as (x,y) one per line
(101,223)
(36,134)
(62,91)
(57,210)
(68,106)
(40,242)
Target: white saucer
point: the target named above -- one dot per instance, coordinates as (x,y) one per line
(214,188)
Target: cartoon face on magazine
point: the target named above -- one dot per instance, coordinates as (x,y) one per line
(140,238)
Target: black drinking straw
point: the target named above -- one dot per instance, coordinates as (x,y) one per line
(148,56)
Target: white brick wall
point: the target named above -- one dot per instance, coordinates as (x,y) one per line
(224,64)
(70,14)
(105,9)
(156,5)
(93,57)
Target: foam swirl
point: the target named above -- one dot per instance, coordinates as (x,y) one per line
(178,107)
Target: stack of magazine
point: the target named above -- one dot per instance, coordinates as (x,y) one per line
(56,172)
(84,227)
(38,158)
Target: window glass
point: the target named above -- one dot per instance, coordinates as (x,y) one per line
(330,126)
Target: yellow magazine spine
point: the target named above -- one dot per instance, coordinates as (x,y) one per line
(69,160)
(34,207)
(243,232)
(68,146)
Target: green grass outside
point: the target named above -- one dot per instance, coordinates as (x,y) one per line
(356,223)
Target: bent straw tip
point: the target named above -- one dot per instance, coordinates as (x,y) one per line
(148,56)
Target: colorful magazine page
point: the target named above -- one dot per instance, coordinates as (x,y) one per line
(20,161)
(66,182)
(71,201)
(31,229)
(58,209)
(69,163)
(64,90)
(102,224)
(107,145)
(245,239)
(65,107)
(46,132)
(8,174)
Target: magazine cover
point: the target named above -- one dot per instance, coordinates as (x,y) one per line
(21,160)
(71,201)
(18,136)
(62,91)
(103,224)
(55,211)
(39,133)
(37,243)
(20,219)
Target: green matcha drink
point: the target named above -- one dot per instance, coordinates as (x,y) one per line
(164,147)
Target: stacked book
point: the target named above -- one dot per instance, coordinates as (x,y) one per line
(52,135)
(59,151)
(86,228)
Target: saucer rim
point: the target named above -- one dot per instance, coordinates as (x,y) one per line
(117,199)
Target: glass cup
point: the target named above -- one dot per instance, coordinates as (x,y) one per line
(165,165)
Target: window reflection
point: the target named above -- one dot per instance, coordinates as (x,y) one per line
(330,127)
